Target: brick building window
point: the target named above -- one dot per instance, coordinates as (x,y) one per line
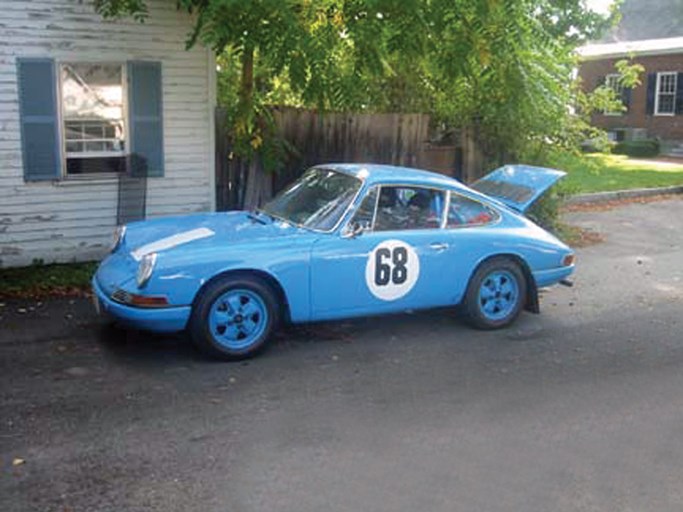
(613,82)
(665,99)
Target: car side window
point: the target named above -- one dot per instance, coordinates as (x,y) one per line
(365,212)
(401,208)
(464,211)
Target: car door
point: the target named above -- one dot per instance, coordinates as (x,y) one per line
(395,263)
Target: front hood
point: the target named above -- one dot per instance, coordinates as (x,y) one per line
(194,231)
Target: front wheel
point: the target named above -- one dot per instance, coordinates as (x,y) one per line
(234,317)
(496,294)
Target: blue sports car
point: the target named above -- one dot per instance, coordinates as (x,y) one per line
(344,240)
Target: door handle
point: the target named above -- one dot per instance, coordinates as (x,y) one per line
(438,246)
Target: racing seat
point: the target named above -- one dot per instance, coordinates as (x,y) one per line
(425,211)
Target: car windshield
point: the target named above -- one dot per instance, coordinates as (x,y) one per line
(317,200)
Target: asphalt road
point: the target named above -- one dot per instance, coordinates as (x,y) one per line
(577,409)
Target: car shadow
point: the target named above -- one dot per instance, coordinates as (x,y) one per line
(146,348)
(313,340)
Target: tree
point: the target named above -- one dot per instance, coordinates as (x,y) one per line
(502,68)
(315,47)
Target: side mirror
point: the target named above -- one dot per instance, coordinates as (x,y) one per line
(353,229)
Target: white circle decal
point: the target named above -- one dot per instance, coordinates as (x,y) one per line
(392,269)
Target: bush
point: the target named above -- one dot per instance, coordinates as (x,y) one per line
(637,148)
(546,210)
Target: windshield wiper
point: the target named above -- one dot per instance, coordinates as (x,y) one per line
(273,218)
(263,212)
(254,217)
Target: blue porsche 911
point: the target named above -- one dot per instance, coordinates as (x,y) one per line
(344,240)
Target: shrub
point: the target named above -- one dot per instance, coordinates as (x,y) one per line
(637,148)
(546,210)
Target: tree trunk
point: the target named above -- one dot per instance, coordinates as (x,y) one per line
(259,184)
(247,80)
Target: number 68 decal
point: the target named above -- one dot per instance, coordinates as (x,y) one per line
(392,269)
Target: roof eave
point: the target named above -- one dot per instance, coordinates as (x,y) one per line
(632,53)
(645,47)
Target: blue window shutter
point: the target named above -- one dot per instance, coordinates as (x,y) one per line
(679,94)
(651,86)
(38,119)
(146,118)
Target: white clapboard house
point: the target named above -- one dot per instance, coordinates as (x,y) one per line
(100,122)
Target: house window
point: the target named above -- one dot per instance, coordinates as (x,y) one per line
(665,100)
(94,121)
(614,82)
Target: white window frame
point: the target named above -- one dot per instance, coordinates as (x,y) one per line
(62,121)
(660,74)
(613,82)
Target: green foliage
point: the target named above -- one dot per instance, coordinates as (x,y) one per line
(502,68)
(119,8)
(546,210)
(639,148)
(570,21)
(630,72)
(571,162)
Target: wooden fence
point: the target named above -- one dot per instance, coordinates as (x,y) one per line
(398,139)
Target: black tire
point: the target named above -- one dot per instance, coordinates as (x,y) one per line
(485,315)
(211,341)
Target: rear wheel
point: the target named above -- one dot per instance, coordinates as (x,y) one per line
(234,317)
(496,294)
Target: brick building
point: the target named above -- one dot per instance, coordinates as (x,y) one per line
(650,33)
(654,109)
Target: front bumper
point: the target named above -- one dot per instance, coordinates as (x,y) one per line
(172,319)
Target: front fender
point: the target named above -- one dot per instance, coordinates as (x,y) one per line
(181,277)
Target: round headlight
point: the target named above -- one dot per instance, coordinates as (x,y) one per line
(145,269)
(119,233)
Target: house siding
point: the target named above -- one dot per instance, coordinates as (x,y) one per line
(663,127)
(73,219)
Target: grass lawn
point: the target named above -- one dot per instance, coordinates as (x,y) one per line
(42,280)
(599,173)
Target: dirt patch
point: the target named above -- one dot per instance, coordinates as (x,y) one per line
(576,236)
(579,237)
(47,292)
